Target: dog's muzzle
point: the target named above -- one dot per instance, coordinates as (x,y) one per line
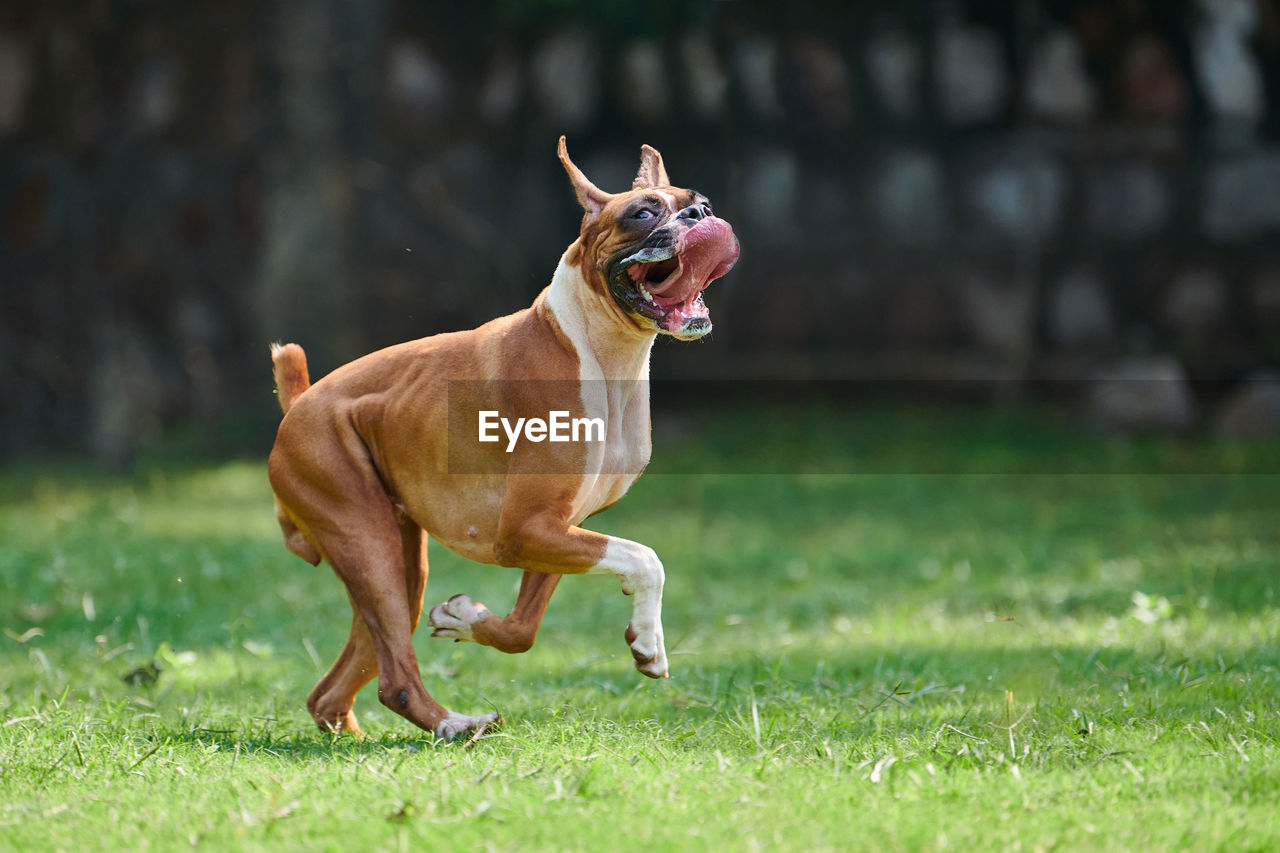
(664,278)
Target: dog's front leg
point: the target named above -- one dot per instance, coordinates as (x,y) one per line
(640,571)
(553,546)
(463,620)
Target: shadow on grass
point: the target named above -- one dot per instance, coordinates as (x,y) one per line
(845,696)
(297,744)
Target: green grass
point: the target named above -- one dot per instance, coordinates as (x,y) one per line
(885,660)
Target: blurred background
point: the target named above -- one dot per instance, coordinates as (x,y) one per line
(1026,195)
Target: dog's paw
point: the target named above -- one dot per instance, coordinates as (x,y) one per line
(453,619)
(457,725)
(649,652)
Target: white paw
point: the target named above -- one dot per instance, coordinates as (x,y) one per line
(649,651)
(453,619)
(457,724)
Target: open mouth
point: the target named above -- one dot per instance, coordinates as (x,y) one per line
(665,283)
(653,274)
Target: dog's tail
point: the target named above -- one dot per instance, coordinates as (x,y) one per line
(289,366)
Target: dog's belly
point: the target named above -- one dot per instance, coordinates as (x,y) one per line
(464,515)
(460,512)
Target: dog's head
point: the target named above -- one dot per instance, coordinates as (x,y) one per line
(652,249)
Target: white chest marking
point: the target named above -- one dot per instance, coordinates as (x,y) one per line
(612,371)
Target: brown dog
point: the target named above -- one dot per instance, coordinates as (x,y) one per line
(404,442)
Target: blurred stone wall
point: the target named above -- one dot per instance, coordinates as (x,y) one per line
(1017,191)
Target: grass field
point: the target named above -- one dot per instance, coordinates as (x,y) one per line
(936,653)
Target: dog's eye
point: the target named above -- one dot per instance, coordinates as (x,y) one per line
(642,213)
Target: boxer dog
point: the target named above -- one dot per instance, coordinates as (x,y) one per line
(384,451)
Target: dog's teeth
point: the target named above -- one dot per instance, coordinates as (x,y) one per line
(645,293)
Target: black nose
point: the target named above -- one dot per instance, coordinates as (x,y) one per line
(694,212)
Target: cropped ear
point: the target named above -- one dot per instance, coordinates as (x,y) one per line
(652,173)
(592,198)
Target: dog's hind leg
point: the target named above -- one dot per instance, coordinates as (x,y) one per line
(413,543)
(371,567)
(332,700)
(333,697)
(339,500)
(461,619)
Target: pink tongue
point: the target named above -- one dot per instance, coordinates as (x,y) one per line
(709,249)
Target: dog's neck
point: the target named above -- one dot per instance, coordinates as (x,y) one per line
(608,346)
